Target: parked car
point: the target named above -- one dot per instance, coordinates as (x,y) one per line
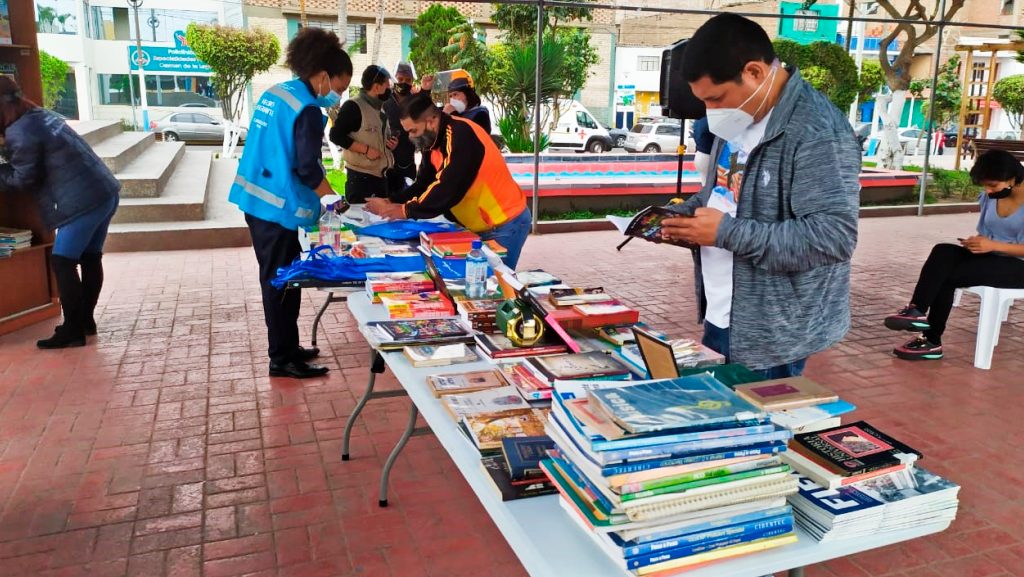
(191,126)
(578,130)
(618,135)
(661,137)
(196,105)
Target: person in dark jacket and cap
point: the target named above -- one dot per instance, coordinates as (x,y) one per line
(464,102)
(404,170)
(75,193)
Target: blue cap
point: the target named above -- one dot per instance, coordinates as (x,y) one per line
(477,244)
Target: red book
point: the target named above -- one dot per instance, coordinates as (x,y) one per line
(461,236)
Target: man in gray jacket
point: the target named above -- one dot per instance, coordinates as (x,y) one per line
(777,222)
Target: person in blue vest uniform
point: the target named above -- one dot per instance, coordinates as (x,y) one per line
(281,178)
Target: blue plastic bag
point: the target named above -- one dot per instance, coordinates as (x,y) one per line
(323,264)
(405,229)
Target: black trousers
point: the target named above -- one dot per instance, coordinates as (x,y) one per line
(276,247)
(950,267)
(360,186)
(396,179)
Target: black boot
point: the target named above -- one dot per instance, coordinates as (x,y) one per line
(71,333)
(92,283)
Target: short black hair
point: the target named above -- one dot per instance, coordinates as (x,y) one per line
(997,165)
(472,98)
(418,106)
(374,74)
(723,46)
(314,50)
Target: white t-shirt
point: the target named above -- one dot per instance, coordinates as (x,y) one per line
(716,263)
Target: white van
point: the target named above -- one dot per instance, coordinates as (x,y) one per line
(577,129)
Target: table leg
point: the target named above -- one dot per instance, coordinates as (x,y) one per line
(410,428)
(376,366)
(796,572)
(319,314)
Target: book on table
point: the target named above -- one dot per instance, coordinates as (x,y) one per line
(488,429)
(788,393)
(579,366)
(484,402)
(393,335)
(524,377)
(523,455)
(422,305)
(854,449)
(498,346)
(465,382)
(439,355)
(379,283)
(510,490)
(537,278)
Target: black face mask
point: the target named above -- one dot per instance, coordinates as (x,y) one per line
(425,140)
(403,88)
(386,96)
(1004,193)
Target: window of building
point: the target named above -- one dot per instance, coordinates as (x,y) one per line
(161,90)
(355,33)
(56,17)
(1007,8)
(155,24)
(806,24)
(648,64)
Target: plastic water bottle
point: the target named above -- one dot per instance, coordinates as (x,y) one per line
(330,228)
(476,271)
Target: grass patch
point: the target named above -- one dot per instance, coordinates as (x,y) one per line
(585,214)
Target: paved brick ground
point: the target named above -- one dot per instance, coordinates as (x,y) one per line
(164,450)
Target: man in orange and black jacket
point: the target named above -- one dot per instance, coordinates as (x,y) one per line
(462,176)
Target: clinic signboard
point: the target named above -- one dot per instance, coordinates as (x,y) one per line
(168,59)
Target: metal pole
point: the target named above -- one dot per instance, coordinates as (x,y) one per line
(536,112)
(136,4)
(931,110)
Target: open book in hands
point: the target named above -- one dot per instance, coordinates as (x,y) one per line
(646,224)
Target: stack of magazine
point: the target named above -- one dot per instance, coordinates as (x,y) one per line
(12,239)
(669,474)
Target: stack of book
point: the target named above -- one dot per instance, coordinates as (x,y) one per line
(500,348)
(383,283)
(687,353)
(856,480)
(12,239)
(534,377)
(456,245)
(516,473)
(422,305)
(670,474)
(394,335)
(481,314)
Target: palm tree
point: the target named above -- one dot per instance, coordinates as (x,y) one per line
(64,20)
(46,17)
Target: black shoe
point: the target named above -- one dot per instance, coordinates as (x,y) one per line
(908,319)
(304,354)
(63,338)
(919,349)
(297,370)
(90,327)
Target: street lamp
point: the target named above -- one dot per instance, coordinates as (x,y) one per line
(154,23)
(140,61)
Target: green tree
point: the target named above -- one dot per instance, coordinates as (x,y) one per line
(947,92)
(45,19)
(432,32)
(235,55)
(519,22)
(467,49)
(1009,93)
(54,73)
(871,80)
(826,66)
(580,58)
(515,87)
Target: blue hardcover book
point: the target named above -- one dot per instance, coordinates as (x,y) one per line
(692,447)
(775,530)
(748,530)
(637,543)
(674,404)
(637,466)
(576,477)
(523,455)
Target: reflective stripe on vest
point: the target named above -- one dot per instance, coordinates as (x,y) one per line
(259,192)
(285,95)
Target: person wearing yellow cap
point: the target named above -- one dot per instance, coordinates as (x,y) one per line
(464,102)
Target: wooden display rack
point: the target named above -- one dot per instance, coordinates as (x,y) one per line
(28,293)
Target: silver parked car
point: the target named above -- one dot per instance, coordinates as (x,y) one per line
(191,126)
(661,137)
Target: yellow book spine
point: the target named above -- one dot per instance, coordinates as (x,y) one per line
(719,554)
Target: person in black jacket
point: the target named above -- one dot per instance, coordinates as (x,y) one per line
(75,193)
(464,102)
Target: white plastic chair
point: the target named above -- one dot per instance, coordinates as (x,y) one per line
(995,308)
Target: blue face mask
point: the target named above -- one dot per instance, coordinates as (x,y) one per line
(330,99)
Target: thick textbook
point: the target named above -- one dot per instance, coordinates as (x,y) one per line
(854,449)
(683,403)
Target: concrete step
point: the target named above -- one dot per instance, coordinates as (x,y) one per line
(121,150)
(224,225)
(96,131)
(183,199)
(148,175)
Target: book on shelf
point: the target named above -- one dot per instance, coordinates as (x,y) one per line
(487,430)
(579,366)
(647,223)
(686,402)
(788,393)
(523,455)
(487,401)
(465,382)
(853,449)
(439,355)
(498,473)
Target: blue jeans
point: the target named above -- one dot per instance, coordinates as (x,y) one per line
(512,235)
(86,232)
(717,339)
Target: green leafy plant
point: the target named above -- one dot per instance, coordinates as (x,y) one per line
(1009,93)
(947,92)
(467,49)
(432,32)
(519,21)
(870,81)
(54,73)
(826,66)
(235,55)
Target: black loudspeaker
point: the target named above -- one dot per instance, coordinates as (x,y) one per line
(677,100)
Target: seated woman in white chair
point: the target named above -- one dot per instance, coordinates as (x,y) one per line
(990,258)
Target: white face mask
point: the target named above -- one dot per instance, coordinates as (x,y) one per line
(730,123)
(458,105)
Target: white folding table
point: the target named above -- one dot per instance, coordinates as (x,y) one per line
(546,540)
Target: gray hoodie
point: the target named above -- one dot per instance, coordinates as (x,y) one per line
(794,232)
